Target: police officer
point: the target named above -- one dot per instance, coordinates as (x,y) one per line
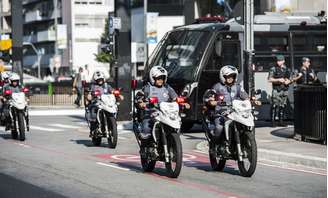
(229,90)
(5,82)
(157,87)
(280,77)
(99,84)
(305,75)
(15,87)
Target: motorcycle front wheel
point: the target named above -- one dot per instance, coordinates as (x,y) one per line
(112,128)
(21,125)
(248,146)
(174,146)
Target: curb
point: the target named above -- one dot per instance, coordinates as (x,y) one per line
(281,157)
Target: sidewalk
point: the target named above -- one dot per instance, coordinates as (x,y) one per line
(278,145)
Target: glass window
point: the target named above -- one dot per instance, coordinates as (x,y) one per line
(181,53)
(310,41)
(270,42)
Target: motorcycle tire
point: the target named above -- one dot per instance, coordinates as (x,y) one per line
(21,125)
(96,141)
(14,134)
(112,128)
(248,144)
(217,163)
(174,146)
(147,164)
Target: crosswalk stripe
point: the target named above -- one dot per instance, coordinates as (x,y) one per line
(64,126)
(44,129)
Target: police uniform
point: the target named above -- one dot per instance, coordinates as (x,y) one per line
(279,91)
(164,93)
(307,76)
(229,93)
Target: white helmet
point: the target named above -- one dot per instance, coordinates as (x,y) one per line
(5,75)
(98,75)
(156,72)
(14,77)
(228,70)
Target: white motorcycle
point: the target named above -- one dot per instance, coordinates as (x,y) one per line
(107,108)
(239,134)
(165,144)
(18,112)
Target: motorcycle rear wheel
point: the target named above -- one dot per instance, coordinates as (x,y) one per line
(217,163)
(96,141)
(147,164)
(174,146)
(248,146)
(112,128)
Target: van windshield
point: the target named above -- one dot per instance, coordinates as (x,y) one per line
(180,53)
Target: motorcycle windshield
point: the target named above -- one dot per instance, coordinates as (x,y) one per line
(180,53)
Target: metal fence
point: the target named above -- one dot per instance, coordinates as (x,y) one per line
(55,99)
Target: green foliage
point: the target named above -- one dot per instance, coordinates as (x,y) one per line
(103,57)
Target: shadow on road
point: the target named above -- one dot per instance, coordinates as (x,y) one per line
(6,135)
(89,143)
(287,132)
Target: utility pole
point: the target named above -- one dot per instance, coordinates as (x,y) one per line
(17,37)
(145,30)
(56,26)
(248,45)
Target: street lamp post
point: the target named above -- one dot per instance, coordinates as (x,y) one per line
(38,57)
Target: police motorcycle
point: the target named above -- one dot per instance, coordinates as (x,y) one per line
(107,109)
(165,144)
(18,112)
(239,132)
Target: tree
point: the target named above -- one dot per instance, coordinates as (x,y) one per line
(104,56)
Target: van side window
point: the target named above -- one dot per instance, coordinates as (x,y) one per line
(227,54)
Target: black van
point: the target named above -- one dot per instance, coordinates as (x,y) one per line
(193,55)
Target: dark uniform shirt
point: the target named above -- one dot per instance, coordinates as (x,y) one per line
(280,72)
(306,77)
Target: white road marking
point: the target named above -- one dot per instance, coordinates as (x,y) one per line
(293,169)
(113,166)
(64,126)
(269,151)
(122,138)
(23,145)
(57,112)
(44,129)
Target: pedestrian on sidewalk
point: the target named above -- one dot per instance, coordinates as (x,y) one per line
(280,77)
(77,87)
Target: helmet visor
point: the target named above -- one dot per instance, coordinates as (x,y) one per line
(162,77)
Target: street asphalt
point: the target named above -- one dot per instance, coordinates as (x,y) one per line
(58,160)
